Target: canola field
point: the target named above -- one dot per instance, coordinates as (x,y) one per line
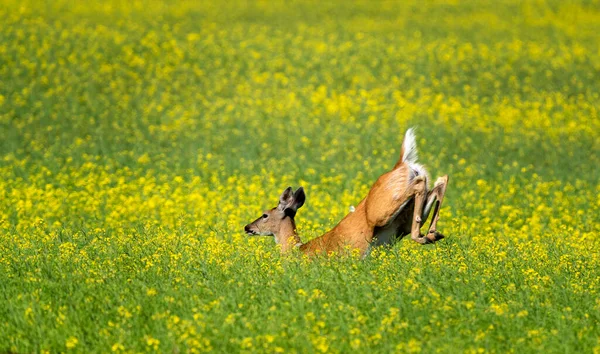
(138,138)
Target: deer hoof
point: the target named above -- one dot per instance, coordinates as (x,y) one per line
(434,236)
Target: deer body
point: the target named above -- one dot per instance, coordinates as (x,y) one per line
(396,205)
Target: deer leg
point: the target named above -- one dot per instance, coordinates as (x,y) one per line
(418,190)
(435,196)
(431,198)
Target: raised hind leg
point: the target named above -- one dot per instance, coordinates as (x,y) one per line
(435,196)
(418,190)
(390,194)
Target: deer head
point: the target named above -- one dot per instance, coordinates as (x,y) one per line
(279,221)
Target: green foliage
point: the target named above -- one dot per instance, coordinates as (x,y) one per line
(138,138)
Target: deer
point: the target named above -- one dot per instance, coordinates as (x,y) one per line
(398,204)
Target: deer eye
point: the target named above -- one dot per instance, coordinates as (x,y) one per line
(265,216)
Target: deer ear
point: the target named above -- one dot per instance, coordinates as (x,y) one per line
(297,202)
(285,199)
(299,198)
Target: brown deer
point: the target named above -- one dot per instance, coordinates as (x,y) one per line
(397,205)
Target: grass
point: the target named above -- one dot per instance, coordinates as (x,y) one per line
(139,138)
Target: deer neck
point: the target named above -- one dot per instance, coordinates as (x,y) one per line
(287,237)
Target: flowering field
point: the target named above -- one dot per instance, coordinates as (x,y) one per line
(138,138)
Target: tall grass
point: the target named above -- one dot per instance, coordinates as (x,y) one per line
(137,138)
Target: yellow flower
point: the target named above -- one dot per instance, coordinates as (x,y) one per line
(117,347)
(152,342)
(71,342)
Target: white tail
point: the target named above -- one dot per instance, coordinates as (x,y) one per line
(397,205)
(409,147)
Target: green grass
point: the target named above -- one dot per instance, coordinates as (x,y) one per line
(138,139)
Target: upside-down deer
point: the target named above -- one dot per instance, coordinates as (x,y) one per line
(397,205)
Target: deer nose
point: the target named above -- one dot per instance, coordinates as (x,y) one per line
(247,228)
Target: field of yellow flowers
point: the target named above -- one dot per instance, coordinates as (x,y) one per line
(137,138)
